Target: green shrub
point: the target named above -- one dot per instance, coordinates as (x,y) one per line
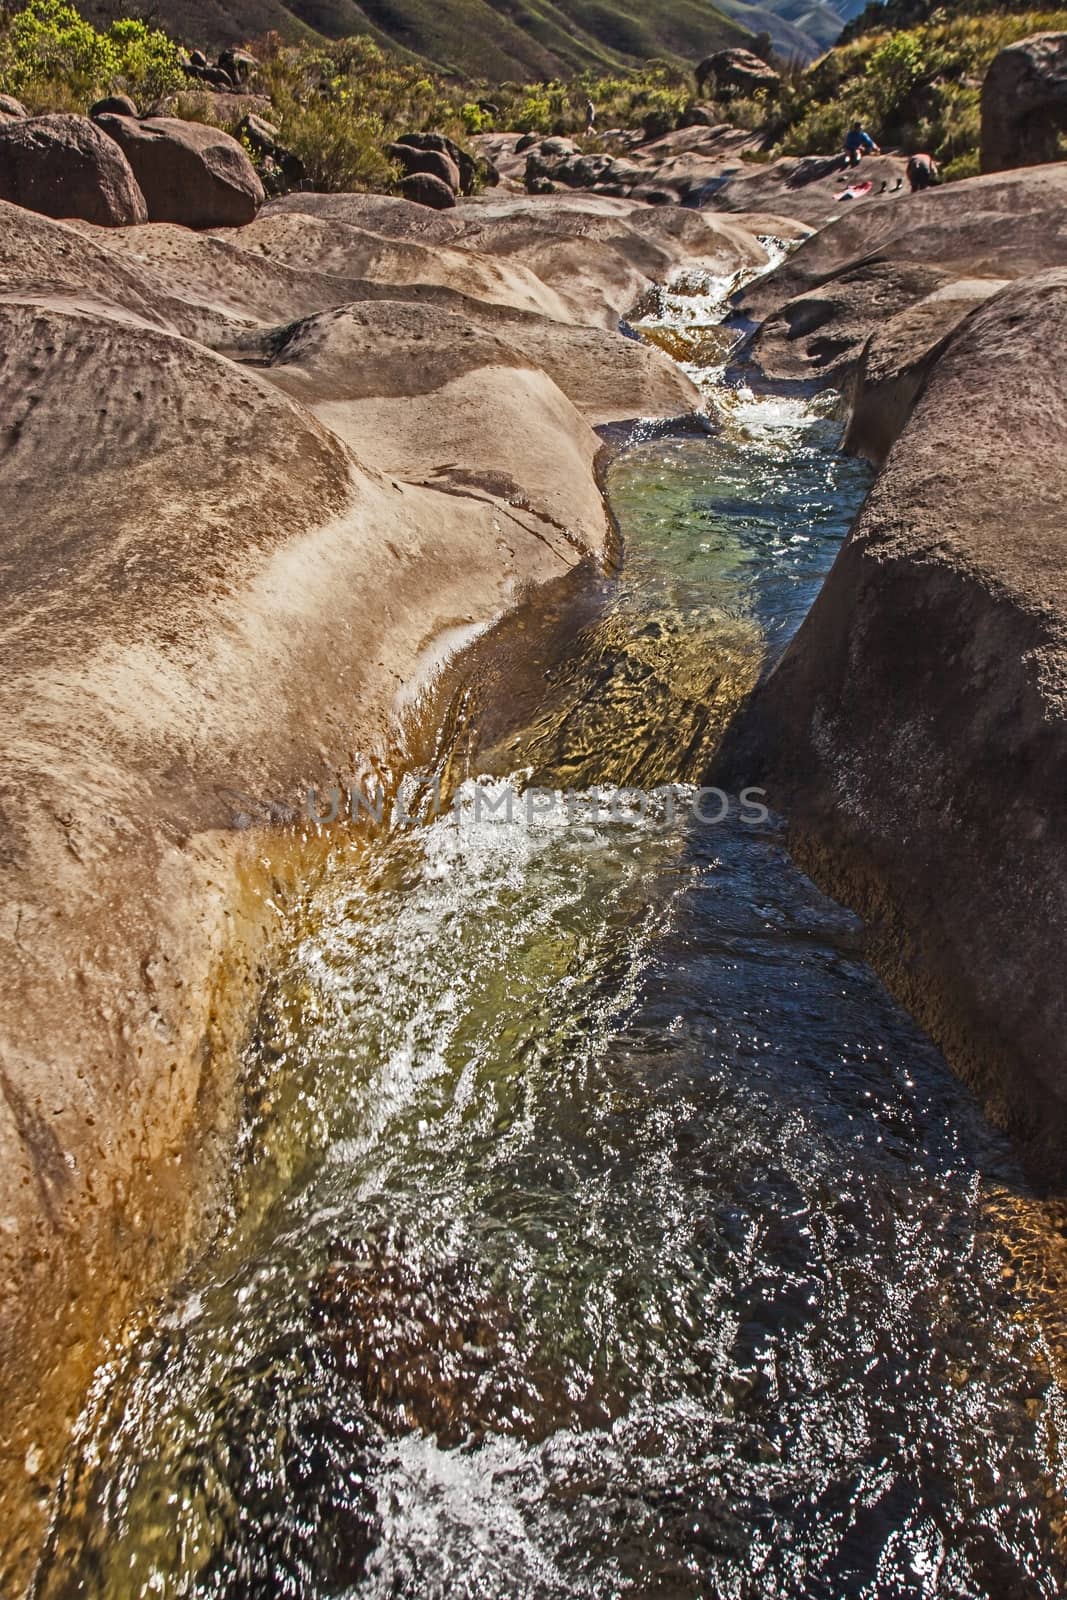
(53,59)
(339,142)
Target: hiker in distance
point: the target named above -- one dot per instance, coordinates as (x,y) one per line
(859,143)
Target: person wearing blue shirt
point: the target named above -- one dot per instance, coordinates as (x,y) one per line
(858,143)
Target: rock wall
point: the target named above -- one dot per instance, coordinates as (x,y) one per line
(915,732)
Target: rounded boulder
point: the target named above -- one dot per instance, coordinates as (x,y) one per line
(119,105)
(191,174)
(64,166)
(426,190)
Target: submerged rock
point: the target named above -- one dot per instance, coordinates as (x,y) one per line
(434,1349)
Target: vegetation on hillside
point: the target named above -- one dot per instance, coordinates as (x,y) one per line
(338,105)
(916,88)
(478,40)
(53,60)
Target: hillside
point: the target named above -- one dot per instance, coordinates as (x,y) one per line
(915,83)
(493,40)
(800,29)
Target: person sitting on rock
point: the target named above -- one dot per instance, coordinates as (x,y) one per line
(922,172)
(859,143)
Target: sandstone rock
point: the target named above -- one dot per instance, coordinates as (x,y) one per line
(197,58)
(896,359)
(434,163)
(425,190)
(182,533)
(119,105)
(736,72)
(11,108)
(917,726)
(412,388)
(821,334)
(556,146)
(216,77)
(320,245)
(1006,225)
(190,173)
(64,166)
(265,139)
(806,187)
(384,214)
(601,255)
(1024,103)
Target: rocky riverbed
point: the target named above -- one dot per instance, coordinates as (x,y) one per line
(260,481)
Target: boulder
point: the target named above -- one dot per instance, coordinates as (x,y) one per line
(738,72)
(425,190)
(438,143)
(915,732)
(602,173)
(1024,104)
(10,108)
(436,163)
(64,166)
(238,65)
(215,76)
(265,139)
(118,105)
(190,173)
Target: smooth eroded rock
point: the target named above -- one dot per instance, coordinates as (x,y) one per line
(915,731)
(190,173)
(64,166)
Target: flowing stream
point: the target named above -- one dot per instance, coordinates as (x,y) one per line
(601,1228)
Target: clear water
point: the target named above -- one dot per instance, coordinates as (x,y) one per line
(602,1228)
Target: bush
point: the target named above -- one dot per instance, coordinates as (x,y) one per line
(51,58)
(339,143)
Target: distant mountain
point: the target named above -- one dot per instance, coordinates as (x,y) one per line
(496,40)
(800,29)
